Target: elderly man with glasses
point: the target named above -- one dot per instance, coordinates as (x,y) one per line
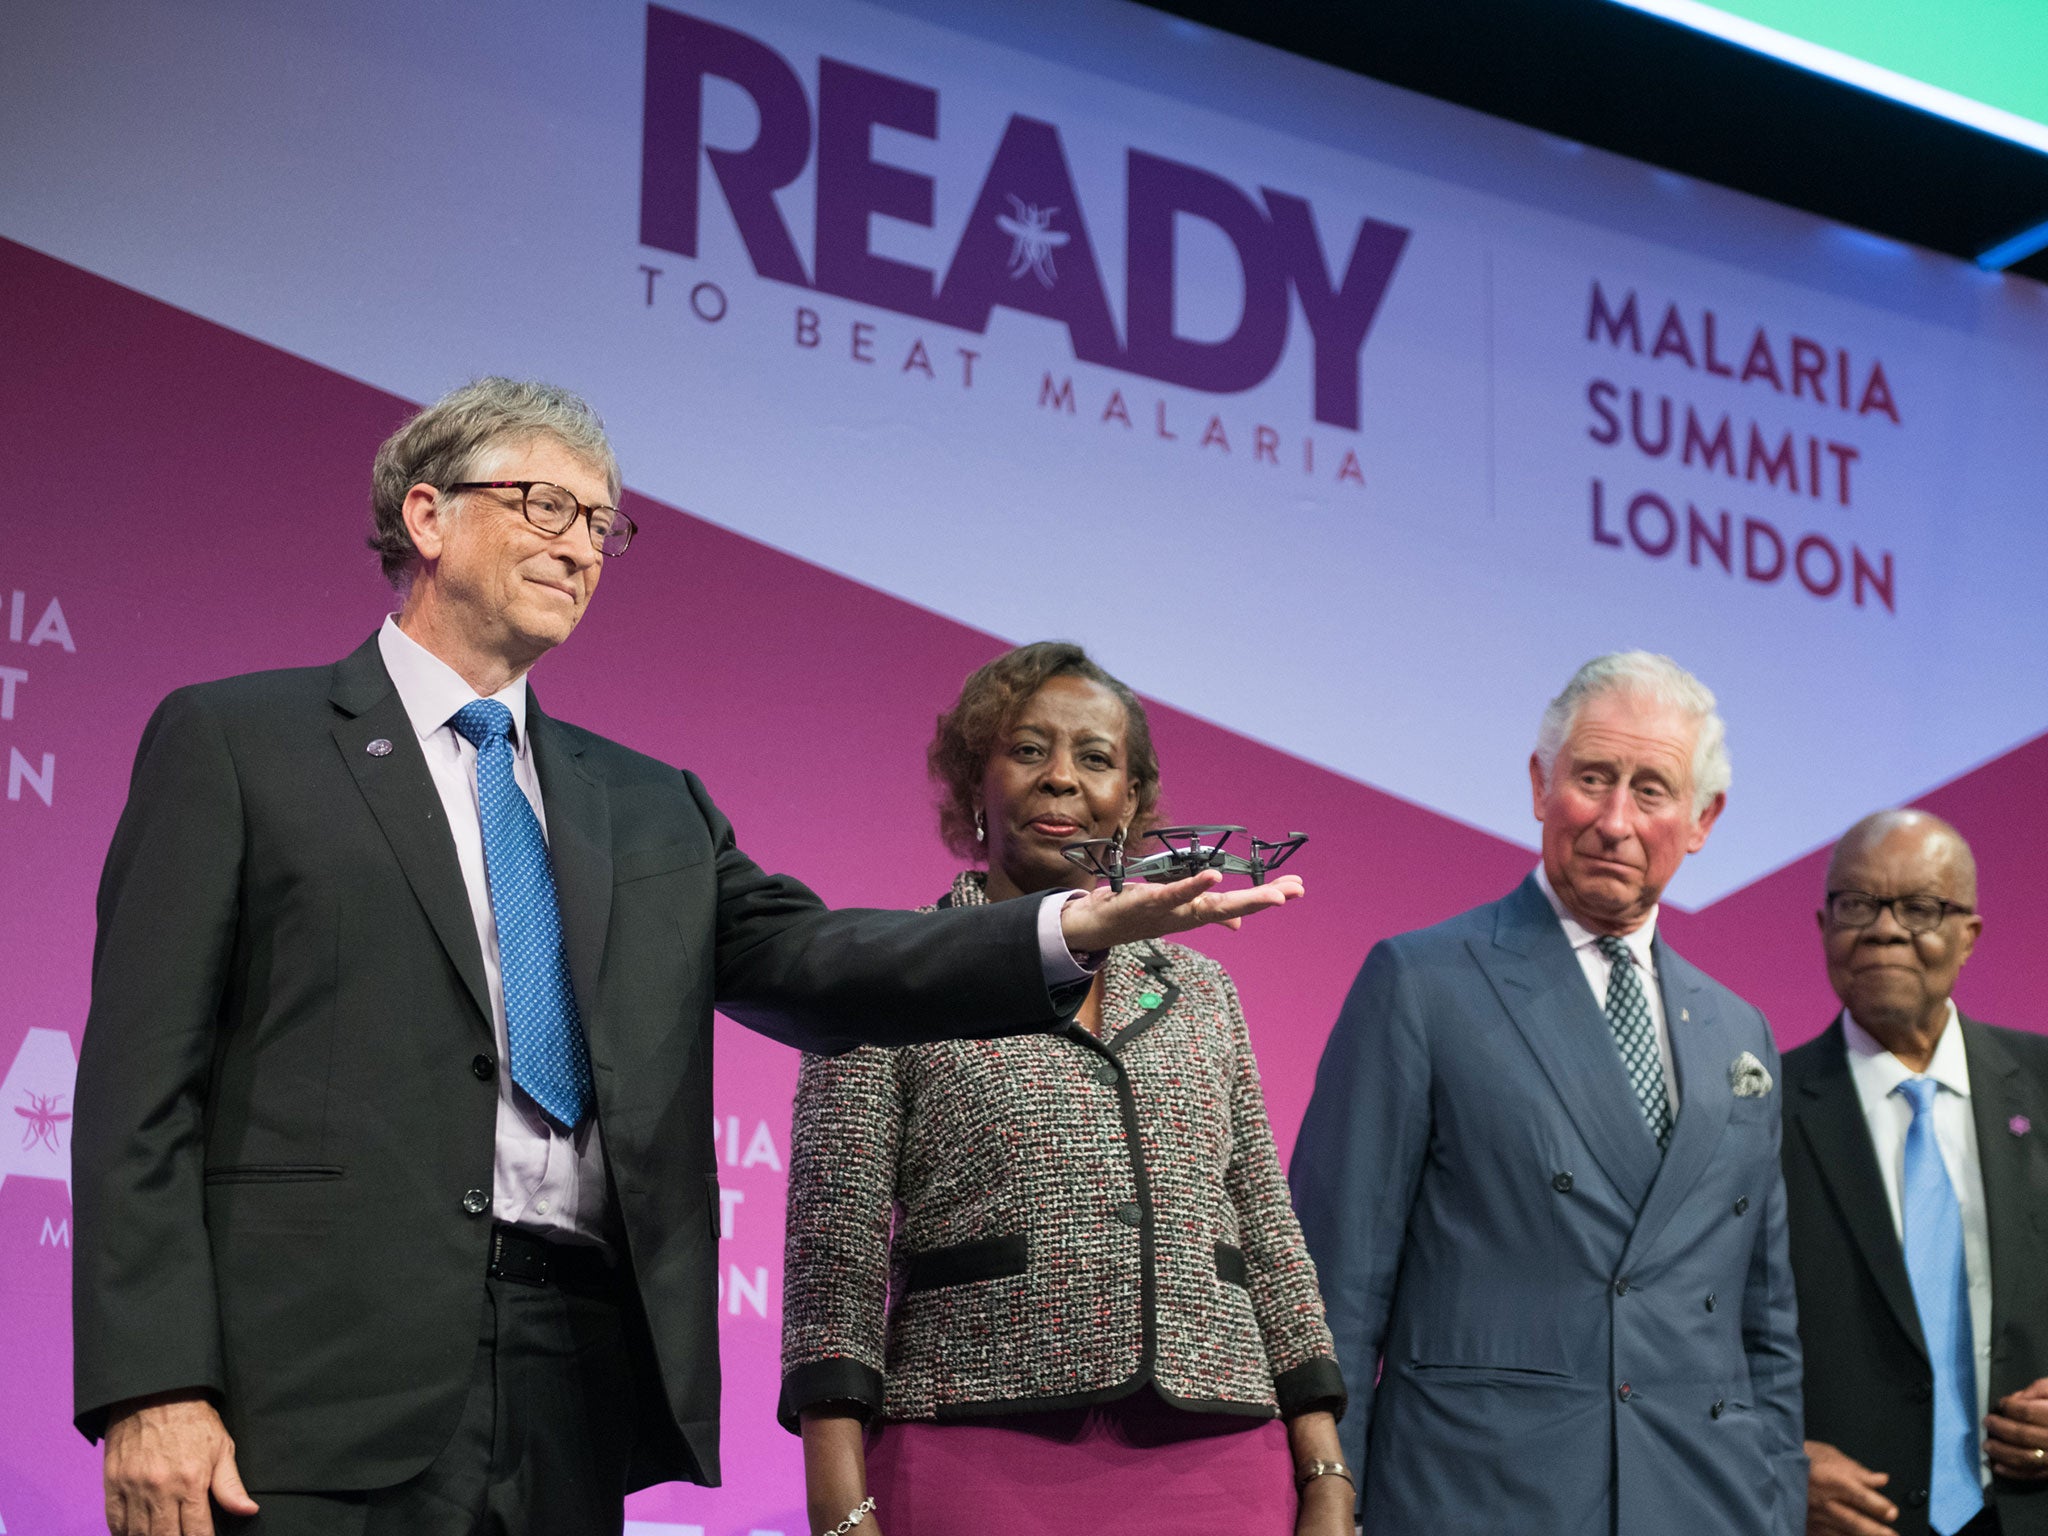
(1916,1183)
(395,1202)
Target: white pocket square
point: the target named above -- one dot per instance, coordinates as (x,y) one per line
(1749,1077)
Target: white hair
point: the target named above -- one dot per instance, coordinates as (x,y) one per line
(1659,680)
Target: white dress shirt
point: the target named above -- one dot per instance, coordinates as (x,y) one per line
(1597,967)
(544,1178)
(1876,1072)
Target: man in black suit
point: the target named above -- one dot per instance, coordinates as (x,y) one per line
(395,1197)
(1916,1178)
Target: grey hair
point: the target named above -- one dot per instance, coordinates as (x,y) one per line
(1660,680)
(445,442)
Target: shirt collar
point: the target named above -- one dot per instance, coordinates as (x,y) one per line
(431,690)
(1871,1063)
(1641,943)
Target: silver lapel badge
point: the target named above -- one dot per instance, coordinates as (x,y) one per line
(379,748)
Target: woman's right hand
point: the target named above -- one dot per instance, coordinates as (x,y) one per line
(835,1469)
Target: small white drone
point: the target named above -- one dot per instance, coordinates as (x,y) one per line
(1183,851)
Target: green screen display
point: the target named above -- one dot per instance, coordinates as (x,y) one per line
(1993,51)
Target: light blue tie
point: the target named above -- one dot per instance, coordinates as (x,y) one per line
(1941,1294)
(542,1029)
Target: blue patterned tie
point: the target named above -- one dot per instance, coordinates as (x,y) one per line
(542,1029)
(1941,1295)
(1635,1036)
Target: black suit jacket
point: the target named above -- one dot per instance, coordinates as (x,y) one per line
(284,1112)
(1869,1387)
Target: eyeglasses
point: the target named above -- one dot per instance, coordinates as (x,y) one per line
(1915,914)
(553,511)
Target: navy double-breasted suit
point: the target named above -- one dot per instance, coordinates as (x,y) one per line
(1578,1336)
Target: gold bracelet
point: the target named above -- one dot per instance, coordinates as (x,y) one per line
(1308,1473)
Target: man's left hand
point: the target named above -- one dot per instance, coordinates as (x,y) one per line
(1141,910)
(2016,1434)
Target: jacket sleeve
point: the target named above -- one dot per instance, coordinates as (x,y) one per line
(1770,1333)
(1280,1275)
(1358,1163)
(846,1132)
(145,1318)
(827,981)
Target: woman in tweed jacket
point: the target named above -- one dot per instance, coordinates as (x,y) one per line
(1057,1276)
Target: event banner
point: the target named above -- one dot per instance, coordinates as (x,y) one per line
(1340,422)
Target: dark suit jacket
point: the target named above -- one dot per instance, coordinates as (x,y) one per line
(1577,1336)
(284,1112)
(1869,1388)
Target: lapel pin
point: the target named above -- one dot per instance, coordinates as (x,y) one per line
(2019,1125)
(1685,1015)
(1149,1000)
(379,748)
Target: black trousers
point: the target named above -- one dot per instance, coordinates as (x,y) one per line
(542,1446)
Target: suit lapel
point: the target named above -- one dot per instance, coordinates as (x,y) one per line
(580,851)
(1997,1103)
(401,795)
(1702,1049)
(1830,1116)
(1539,982)
(1138,992)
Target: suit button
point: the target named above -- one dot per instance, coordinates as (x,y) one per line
(1916,1497)
(1106,1075)
(1718,1408)
(1561,1182)
(1621,1286)
(1742,1205)
(1710,1301)
(1625,1392)
(476,1202)
(483,1067)
(1130,1213)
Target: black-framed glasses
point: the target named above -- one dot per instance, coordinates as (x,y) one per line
(553,510)
(1915,914)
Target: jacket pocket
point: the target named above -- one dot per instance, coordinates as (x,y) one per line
(273,1173)
(986,1258)
(1230,1266)
(645,863)
(1498,1375)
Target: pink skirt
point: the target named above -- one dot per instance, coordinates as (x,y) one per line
(1138,1467)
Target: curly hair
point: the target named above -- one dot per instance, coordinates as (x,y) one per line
(443,443)
(991,699)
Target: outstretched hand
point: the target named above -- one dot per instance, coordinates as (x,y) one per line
(1142,910)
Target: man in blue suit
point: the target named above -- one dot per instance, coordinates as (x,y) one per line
(1539,1176)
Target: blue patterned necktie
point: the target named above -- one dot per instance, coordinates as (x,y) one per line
(1628,1013)
(1941,1294)
(543,1032)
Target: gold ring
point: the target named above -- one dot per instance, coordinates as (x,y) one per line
(2039,1454)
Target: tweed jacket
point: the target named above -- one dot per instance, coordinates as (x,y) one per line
(1042,1222)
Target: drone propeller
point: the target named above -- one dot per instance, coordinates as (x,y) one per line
(1270,856)
(1102,857)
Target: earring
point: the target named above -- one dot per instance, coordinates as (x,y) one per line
(980,832)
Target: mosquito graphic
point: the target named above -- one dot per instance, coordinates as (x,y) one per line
(1035,240)
(43,1118)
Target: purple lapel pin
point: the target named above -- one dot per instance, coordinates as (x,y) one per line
(2019,1125)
